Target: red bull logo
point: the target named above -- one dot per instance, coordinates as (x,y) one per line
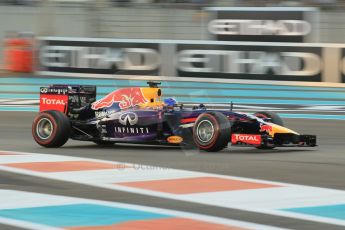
(266,128)
(126,97)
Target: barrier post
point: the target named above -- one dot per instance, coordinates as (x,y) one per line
(18,54)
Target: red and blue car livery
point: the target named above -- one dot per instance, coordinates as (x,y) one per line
(139,115)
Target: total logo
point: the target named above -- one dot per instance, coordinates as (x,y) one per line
(48,101)
(246,138)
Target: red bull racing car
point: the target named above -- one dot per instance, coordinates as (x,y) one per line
(139,115)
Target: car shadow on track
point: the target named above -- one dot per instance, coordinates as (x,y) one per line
(229,150)
(266,151)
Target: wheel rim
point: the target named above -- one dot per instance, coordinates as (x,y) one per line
(205,131)
(44,128)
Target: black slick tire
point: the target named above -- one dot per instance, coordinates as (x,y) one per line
(217,134)
(51,129)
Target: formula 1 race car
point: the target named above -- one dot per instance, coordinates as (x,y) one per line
(138,115)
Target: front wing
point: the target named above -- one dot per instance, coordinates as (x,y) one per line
(279,140)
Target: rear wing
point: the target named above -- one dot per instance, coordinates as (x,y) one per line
(64,98)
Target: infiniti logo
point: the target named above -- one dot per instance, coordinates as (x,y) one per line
(128,118)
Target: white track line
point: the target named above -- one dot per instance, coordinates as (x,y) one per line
(263,200)
(31,200)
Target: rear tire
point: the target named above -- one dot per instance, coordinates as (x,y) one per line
(211,131)
(51,129)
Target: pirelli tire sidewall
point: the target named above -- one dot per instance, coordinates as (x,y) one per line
(61,128)
(222,131)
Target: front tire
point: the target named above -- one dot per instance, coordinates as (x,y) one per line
(51,129)
(274,118)
(211,131)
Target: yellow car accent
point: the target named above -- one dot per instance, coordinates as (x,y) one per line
(279,129)
(153,95)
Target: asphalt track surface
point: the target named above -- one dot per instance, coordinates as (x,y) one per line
(323,166)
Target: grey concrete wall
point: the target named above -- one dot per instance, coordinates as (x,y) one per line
(134,22)
(153,23)
(40,21)
(332,26)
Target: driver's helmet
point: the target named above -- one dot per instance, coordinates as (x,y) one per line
(170,101)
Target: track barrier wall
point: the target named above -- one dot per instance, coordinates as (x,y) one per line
(90,57)
(297,80)
(263,24)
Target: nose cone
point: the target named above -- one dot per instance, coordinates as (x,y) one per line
(279,129)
